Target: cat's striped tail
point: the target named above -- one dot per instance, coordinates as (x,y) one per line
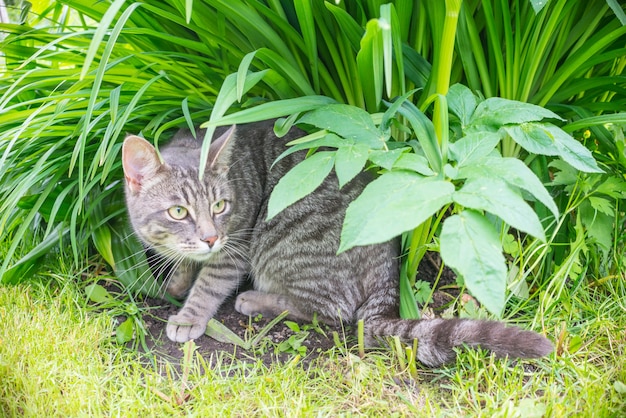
(438,337)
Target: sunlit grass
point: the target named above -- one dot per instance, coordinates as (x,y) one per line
(53,356)
(58,357)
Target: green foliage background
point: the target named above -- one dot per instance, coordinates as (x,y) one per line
(80,75)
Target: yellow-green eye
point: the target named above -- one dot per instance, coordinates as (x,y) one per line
(177,212)
(219,206)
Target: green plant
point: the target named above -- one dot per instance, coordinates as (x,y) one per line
(294,344)
(131,329)
(474,178)
(220,332)
(543,52)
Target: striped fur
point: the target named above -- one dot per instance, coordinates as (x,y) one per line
(291,258)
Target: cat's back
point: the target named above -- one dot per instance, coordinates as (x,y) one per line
(254,143)
(183,150)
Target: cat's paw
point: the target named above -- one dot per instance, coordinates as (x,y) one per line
(250,303)
(182,329)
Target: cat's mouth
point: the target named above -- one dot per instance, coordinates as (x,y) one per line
(203,251)
(199,251)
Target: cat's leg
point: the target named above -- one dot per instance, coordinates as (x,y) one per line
(253,302)
(181,280)
(212,286)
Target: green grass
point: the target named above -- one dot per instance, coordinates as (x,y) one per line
(58,357)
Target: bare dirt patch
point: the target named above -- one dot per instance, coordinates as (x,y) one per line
(275,346)
(281,343)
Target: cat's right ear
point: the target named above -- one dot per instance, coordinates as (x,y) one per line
(219,149)
(140,161)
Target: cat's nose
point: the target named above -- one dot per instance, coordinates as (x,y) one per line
(210,240)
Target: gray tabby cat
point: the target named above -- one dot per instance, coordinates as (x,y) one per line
(215,232)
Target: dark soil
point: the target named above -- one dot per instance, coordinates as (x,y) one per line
(269,350)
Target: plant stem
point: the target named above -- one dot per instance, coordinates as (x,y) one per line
(423,234)
(444,69)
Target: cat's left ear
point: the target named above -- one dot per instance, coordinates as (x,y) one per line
(140,161)
(219,149)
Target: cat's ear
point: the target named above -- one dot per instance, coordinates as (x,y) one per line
(140,161)
(219,149)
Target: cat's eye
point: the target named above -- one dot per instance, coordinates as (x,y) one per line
(219,206)
(177,212)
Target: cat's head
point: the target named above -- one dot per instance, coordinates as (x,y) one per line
(170,208)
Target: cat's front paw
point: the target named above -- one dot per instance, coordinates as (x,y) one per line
(182,329)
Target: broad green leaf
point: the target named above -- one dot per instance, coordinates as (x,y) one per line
(349,161)
(564,174)
(496,197)
(416,68)
(386,159)
(230,90)
(114,96)
(399,32)
(547,139)
(300,181)
(496,112)
(602,205)
(124,331)
(348,122)
(98,294)
(315,139)
(473,147)
(462,102)
(620,387)
(512,171)
(413,162)
(471,247)
(598,224)
(395,202)
(613,186)
(56,203)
